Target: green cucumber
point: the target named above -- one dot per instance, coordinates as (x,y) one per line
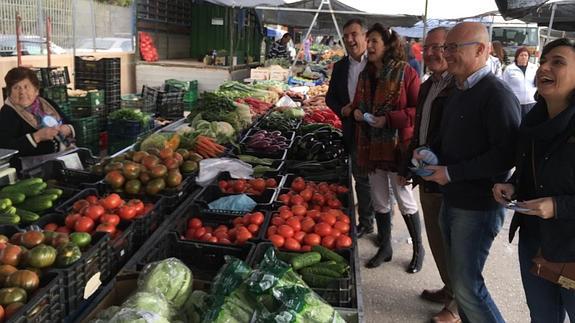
(327,254)
(14,219)
(49,196)
(33,189)
(27,216)
(10,211)
(36,204)
(305,260)
(314,280)
(286,256)
(322,271)
(15,197)
(56,191)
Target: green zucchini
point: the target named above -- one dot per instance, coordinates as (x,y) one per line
(37,203)
(53,190)
(322,271)
(327,254)
(15,197)
(314,280)
(7,219)
(27,216)
(286,256)
(305,260)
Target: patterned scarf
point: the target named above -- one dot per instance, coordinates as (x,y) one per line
(35,112)
(378,147)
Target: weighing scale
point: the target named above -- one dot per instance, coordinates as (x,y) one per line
(7,173)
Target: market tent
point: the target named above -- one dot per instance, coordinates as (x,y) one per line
(564,18)
(517,8)
(301,13)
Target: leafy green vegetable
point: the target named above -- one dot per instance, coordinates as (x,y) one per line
(149,302)
(129,115)
(155,140)
(170,278)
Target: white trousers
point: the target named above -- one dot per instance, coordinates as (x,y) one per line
(380,181)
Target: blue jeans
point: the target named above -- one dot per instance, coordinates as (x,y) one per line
(468,235)
(547,301)
(363,191)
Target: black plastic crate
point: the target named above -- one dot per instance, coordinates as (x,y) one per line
(112,89)
(204,259)
(122,129)
(192,210)
(341,292)
(157,98)
(171,111)
(52,76)
(103,69)
(265,153)
(86,129)
(278,178)
(143,226)
(58,93)
(95,265)
(46,304)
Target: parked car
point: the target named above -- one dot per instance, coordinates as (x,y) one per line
(31,45)
(106,44)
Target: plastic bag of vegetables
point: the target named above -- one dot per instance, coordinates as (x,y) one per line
(170,277)
(131,315)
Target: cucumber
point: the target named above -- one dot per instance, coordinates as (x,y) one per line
(22,184)
(5,203)
(314,280)
(36,204)
(14,219)
(322,271)
(33,189)
(327,254)
(49,196)
(286,256)
(10,211)
(337,267)
(15,197)
(27,216)
(56,191)
(305,260)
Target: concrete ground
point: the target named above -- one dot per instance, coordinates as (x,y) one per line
(392,295)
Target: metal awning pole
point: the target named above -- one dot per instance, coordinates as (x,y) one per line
(309,29)
(18,46)
(74,27)
(550,23)
(422,72)
(48,38)
(336,26)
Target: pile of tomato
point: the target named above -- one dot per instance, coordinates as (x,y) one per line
(244,228)
(94,214)
(252,186)
(311,216)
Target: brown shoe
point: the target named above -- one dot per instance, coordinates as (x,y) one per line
(446,316)
(436,295)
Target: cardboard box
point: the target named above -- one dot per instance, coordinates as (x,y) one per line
(279,74)
(259,74)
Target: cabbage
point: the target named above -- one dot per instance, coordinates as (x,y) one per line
(224,131)
(130,315)
(154,140)
(169,277)
(149,302)
(244,115)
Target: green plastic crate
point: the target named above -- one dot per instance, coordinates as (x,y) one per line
(58,94)
(93,98)
(87,129)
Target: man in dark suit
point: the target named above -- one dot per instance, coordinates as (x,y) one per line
(339,96)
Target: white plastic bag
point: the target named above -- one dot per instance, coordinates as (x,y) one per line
(210,168)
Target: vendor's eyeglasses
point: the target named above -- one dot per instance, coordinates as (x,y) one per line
(453,47)
(434,48)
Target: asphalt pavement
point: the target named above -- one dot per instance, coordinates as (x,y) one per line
(392,295)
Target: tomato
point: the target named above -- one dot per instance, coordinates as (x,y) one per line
(138,205)
(243,235)
(286,231)
(323,229)
(258,184)
(341,227)
(232,234)
(306,248)
(190,234)
(336,233)
(328,242)
(2,314)
(323,187)
(284,198)
(64,229)
(328,218)
(108,228)
(341,189)
(10,255)
(334,203)
(111,219)
(5,271)
(13,308)
(314,214)
(296,200)
(238,221)
(292,244)
(312,239)
(207,236)
(271,183)
(213,239)
(239,186)
(222,228)
(84,224)
(343,241)
(299,236)
(253,228)
(257,218)
(147,208)
(223,185)
(31,239)
(306,194)
(277,221)
(224,241)
(286,214)
(298,210)
(94,212)
(111,201)
(80,204)
(50,227)
(220,234)
(71,220)
(298,184)
(284,208)
(318,199)
(307,225)
(194,223)
(127,212)
(277,240)
(271,230)
(343,218)
(92,199)
(294,223)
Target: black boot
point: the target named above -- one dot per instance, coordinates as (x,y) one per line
(362,230)
(384,253)
(379,238)
(414,227)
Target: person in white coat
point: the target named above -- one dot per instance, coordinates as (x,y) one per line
(520,77)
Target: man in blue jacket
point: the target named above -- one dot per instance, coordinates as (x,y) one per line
(339,95)
(475,146)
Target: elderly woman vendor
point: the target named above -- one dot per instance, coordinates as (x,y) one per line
(28,123)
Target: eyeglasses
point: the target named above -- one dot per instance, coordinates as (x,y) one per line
(434,48)
(453,47)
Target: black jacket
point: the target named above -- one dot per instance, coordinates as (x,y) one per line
(548,172)
(13,131)
(433,130)
(337,97)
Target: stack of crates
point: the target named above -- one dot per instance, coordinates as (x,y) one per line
(102,74)
(87,133)
(166,101)
(88,116)
(190,88)
(53,85)
(123,133)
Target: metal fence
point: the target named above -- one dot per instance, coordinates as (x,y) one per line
(83,25)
